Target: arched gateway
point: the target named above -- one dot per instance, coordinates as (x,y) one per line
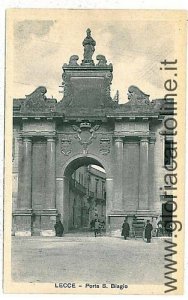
(51,139)
(69,168)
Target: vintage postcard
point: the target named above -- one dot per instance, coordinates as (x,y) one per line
(94,151)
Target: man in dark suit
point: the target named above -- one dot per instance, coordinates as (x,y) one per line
(59,228)
(148,230)
(125,229)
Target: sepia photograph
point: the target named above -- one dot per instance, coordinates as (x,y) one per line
(94,151)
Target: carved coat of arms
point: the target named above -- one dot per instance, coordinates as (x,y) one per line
(66,145)
(105,145)
(85,134)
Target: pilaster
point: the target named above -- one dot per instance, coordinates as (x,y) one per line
(118,171)
(50,173)
(143,175)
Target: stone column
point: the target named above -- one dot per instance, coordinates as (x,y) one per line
(25,199)
(109,201)
(151,173)
(23,215)
(50,173)
(20,169)
(143,175)
(109,194)
(118,175)
(62,200)
(49,213)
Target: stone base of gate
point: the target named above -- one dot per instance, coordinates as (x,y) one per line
(22,222)
(43,222)
(28,222)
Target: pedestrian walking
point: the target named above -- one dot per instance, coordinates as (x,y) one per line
(125,229)
(148,231)
(59,229)
(96,227)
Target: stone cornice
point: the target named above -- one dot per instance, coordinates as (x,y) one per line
(131,133)
(30,134)
(132,117)
(136,136)
(87,68)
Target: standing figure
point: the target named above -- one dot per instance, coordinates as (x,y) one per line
(148,230)
(92,224)
(154,224)
(97,227)
(159,227)
(125,229)
(89,48)
(59,228)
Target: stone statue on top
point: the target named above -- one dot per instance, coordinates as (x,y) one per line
(89,48)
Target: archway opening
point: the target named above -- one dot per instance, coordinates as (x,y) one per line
(85,195)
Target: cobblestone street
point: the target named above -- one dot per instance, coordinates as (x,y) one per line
(84,258)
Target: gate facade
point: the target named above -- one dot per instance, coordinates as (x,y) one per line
(52,139)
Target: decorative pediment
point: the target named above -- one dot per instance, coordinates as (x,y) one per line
(136,96)
(36,101)
(138,103)
(86,85)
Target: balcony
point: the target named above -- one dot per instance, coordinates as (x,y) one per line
(90,194)
(100,200)
(77,186)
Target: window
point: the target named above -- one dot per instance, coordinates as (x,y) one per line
(96,186)
(103,189)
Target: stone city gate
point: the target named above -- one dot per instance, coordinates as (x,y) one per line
(52,139)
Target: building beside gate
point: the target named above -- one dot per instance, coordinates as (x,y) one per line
(87,197)
(51,140)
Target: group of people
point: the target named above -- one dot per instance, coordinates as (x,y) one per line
(96,224)
(147,230)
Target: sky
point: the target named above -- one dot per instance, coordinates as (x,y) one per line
(42,43)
